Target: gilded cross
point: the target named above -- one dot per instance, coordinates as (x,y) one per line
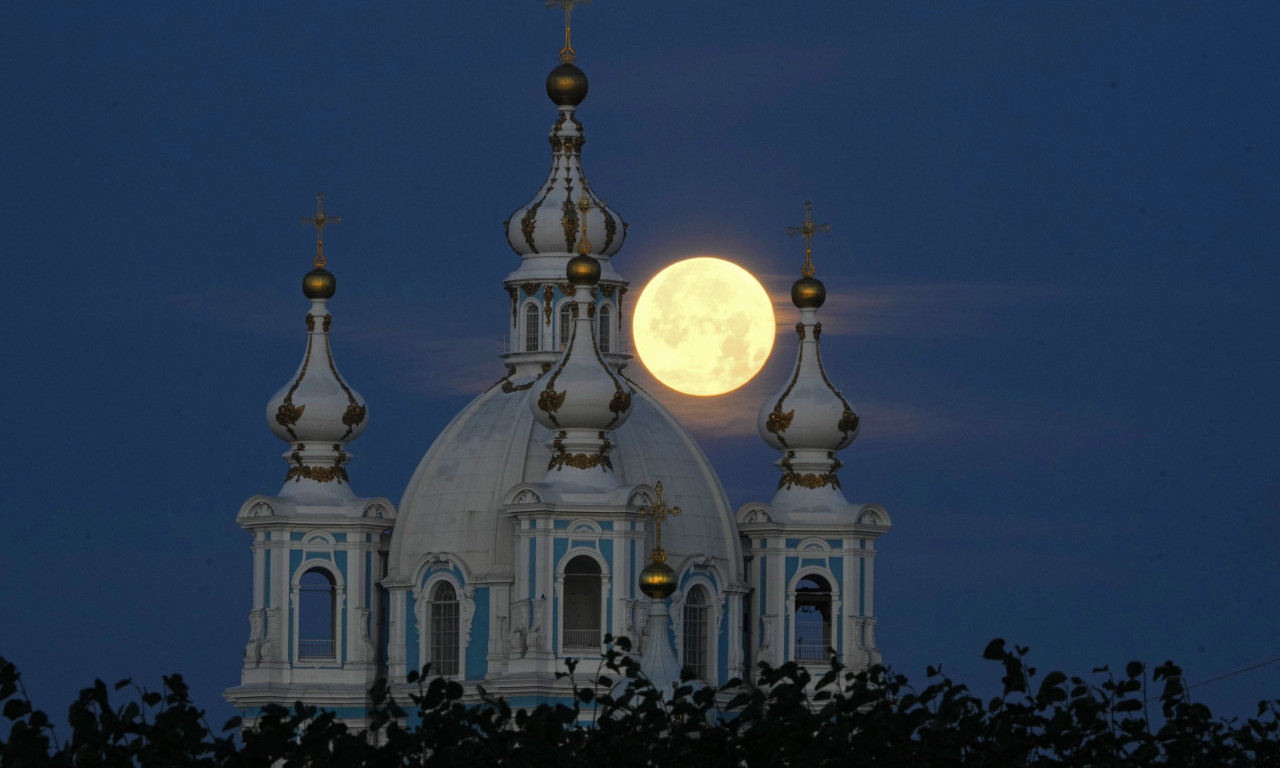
(567,54)
(659,511)
(320,221)
(807,229)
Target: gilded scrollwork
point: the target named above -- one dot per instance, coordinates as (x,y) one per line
(849,422)
(318,474)
(548,293)
(610,228)
(529,288)
(550,401)
(569,220)
(288,414)
(808,480)
(607,290)
(311,324)
(514,293)
(328,320)
(355,413)
(581,460)
(529,224)
(779,421)
(800,330)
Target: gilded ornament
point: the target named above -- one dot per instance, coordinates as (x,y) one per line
(591,310)
(530,288)
(550,401)
(800,330)
(620,402)
(548,293)
(779,421)
(608,290)
(569,220)
(658,512)
(311,324)
(610,228)
(580,461)
(807,230)
(529,224)
(817,331)
(353,416)
(848,422)
(320,221)
(318,474)
(511,289)
(546,367)
(565,288)
(355,410)
(809,480)
(328,320)
(288,414)
(573,310)
(556,144)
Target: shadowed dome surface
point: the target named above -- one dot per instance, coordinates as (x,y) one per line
(453,502)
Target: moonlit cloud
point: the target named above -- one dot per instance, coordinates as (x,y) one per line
(914,310)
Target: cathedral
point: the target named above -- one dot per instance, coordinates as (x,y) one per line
(563,504)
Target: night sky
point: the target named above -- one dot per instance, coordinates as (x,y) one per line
(1051,268)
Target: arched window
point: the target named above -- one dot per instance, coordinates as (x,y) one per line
(606,328)
(582,604)
(696,633)
(565,325)
(317,604)
(444,630)
(532,334)
(813,618)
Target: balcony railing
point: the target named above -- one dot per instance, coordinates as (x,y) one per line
(315,650)
(811,652)
(582,639)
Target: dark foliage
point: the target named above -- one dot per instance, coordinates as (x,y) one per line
(785,719)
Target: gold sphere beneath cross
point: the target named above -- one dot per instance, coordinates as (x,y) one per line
(567,85)
(583,270)
(319,283)
(657,581)
(808,292)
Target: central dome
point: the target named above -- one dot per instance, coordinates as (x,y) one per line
(454,501)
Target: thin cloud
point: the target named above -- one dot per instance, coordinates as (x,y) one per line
(914,310)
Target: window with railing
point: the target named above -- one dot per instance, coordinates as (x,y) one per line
(582,605)
(445,646)
(316,620)
(696,634)
(812,619)
(532,333)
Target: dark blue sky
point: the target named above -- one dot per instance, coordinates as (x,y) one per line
(1052,266)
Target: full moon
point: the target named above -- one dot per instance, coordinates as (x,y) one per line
(704,326)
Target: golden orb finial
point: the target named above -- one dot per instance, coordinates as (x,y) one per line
(657,580)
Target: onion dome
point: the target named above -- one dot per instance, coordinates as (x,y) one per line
(550,224)
(808,420)
(581,397)
(316,412)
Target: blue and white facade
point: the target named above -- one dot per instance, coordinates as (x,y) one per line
(519,540)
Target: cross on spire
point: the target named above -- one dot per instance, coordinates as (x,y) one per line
(659,511)
(807,229)
(567,54)
(320,221)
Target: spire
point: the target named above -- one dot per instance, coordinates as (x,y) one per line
(582,398)
(317,412)
(808,420)
(658,581)
(548,226)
